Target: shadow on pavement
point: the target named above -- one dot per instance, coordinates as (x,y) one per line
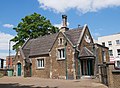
(17,85)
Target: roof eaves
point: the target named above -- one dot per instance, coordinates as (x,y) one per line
(25,43)
(21,51)
(68,39)
(89,51)
(54,42)
(80,38)
(32,55)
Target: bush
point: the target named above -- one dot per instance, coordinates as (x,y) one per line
(1,75)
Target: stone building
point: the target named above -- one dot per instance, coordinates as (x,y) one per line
(68,54)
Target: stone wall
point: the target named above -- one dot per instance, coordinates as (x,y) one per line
(41,72)
(116,78)
(110,76)
(18,59)
(61,67)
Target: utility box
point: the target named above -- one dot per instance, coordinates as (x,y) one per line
(10,72)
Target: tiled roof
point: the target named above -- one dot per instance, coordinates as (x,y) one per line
(42,45)
(74,34)
(85,52)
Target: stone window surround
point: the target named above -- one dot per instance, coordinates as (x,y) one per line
(60,41)
(57,57)
(37,62)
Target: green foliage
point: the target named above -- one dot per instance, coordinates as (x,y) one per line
(32,26)
(1,75)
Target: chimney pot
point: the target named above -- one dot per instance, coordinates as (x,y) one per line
(64,18)
(64,25)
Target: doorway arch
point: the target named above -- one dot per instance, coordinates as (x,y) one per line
(19,69)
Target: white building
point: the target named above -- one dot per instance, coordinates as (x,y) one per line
(113,42)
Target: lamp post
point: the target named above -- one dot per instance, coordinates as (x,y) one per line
(9,55)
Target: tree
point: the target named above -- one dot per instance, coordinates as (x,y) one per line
(32,26)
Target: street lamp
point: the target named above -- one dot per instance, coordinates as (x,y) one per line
(9,54)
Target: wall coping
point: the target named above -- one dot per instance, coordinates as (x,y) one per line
(116,71)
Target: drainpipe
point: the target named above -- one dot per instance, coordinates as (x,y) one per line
(79,64)
(96,59)
(66,61)
(74,62)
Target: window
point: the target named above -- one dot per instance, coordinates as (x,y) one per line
(103,43)
(109,43)
(110,52)
(118,51)
(118,64)
(60,41)
(61,53)
(40,63)
(117,42)
(104,56)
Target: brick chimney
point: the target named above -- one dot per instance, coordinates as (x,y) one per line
(64,24)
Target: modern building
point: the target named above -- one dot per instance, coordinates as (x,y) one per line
(113,42)
(68,54)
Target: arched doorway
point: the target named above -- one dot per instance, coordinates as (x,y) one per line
(19,69)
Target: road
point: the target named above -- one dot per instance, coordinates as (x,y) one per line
(35,82)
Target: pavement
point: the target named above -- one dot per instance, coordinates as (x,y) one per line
(35,82)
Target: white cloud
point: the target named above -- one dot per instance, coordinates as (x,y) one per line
(83,6)
(60,25)
(4,44)
(8,25)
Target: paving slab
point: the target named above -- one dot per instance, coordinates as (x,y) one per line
(35,82)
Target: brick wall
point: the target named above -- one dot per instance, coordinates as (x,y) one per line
(9,61)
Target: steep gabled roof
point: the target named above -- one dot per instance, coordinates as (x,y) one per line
(85,52)
(25,49)
(73,35)
(42,45)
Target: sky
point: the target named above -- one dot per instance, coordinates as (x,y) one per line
(101,16)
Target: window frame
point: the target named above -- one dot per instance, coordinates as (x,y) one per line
(60,53)
(118,64)
(60,41)
(118,52)
(41,63)
(111,54)
(110,43)
(117,42)
(104,56)
(103,43)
